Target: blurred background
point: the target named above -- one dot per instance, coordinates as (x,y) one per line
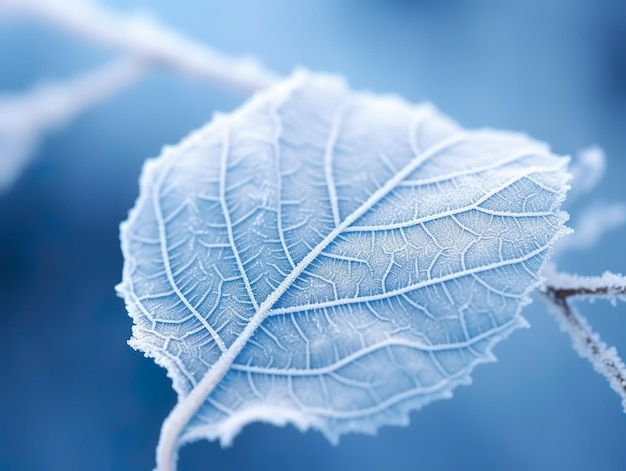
(74,396)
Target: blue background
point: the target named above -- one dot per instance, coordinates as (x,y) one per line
(74,396)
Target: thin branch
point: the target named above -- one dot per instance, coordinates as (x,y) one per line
(605,360)
(144,37)
(25,118)
(563,293)
(611,286)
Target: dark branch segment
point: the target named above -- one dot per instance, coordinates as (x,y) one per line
(563,293)
(604,359)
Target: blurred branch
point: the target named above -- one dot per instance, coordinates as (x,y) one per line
(144,37)
(25,118)
(587,170)
(594,222)
(558,290)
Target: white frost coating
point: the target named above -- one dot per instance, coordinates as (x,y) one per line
(587,170)
(355,257)
(559,288)
(591,226)
(609,286)
(142,36)
(24,118)
(604,359)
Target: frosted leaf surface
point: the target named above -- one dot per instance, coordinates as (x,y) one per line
(333,259)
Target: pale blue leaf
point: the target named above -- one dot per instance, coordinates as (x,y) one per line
(333,259)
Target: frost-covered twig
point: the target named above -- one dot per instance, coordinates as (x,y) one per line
(559,289)
(610,286)
(25,118)
(142,36)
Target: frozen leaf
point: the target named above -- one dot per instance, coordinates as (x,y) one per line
(332,259)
